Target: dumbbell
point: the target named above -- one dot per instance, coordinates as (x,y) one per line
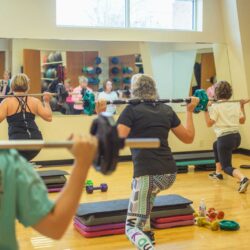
(103,187)
(213,214)
(202,222)
(89,183)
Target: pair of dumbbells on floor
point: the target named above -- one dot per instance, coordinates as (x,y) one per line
(210,219)
(89,186)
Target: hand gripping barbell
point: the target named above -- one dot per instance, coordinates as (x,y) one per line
(109,143)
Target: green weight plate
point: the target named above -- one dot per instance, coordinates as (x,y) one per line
(229,225)
(89,183)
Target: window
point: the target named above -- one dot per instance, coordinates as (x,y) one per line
(163,14)
(93,13)
(153,14)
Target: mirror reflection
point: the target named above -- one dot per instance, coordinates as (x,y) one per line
(72,69)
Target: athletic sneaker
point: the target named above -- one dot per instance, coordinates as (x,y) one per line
(216,176)
(151,236)
(243,185)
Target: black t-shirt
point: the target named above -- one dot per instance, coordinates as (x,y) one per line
(151,121)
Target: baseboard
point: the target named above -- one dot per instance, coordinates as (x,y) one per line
(124,158)
(242,151)
(56,163)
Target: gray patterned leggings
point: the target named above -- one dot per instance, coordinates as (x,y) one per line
(144,190)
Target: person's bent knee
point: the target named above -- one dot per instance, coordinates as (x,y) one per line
(229,170)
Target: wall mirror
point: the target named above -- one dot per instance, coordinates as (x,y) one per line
(178,68)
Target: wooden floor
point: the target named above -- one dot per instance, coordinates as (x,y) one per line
(222,195)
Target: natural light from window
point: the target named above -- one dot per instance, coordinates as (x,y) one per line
(152,14)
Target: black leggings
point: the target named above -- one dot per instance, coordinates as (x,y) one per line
(223,149)
(27,154)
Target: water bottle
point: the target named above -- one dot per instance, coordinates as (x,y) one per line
(202,208)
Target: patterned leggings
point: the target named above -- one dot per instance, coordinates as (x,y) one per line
(144,191)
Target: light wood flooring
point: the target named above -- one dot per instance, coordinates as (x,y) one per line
(222,195)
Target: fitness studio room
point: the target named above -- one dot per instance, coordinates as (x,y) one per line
(124,124)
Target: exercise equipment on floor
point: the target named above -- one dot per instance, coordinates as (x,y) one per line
(203,161)
(109,143)
(212,214)
(229,225)
(90,188)
(213,220)
(202,222)
(53,179)
(245,166)
(108,217)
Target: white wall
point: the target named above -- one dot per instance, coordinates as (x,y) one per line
(182,72)
(37,19)
(222,62)
(235,15)
(5,45)
(171,66)
(62,126)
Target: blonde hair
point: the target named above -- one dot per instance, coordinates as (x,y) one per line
(20,83)
(82,79)
(143,87)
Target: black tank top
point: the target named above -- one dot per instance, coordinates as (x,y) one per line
(22,124)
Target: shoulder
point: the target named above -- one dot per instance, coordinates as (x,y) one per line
(33,100)
(166,108)
(128,110)
(101,95)
(7,101)
(76,89)
(114,94)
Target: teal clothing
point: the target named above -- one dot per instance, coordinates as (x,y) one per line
(23,196)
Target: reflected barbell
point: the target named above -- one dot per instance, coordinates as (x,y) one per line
(109,143)
(34,95)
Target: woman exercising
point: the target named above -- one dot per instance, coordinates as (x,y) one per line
(154,169)
(109,95)
(225,118)
(23,195)
(20,112)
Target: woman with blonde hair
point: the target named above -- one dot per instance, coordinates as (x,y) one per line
(20,112)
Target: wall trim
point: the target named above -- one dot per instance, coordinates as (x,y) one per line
(124,158)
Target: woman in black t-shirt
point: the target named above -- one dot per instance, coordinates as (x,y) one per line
(154,169)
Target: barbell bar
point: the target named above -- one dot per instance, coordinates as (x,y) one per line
(34,95)
(109,144)
(218,102)
(39,144)
(137,101)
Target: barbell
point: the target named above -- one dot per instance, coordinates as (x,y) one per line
(89,101)
(109,143)
(23,95)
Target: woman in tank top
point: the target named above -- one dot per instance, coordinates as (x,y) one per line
(20,112)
